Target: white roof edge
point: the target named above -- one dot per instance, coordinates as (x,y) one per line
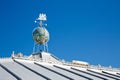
(80,62)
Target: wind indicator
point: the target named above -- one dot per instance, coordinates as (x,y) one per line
(41,19)
(40,34)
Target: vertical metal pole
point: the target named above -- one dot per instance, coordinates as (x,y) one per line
(46,45)
(34,47)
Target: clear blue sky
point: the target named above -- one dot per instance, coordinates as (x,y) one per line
(86,30)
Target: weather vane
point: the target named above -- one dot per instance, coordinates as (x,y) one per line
(41,19)
(40,34)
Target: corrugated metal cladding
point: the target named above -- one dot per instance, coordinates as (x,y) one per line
(19,69)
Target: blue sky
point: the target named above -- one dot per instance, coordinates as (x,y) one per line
(86,30)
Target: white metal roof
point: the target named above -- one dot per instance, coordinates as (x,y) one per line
(22,69)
